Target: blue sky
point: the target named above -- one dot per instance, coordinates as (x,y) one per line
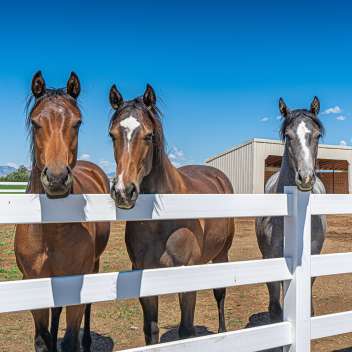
(219,67)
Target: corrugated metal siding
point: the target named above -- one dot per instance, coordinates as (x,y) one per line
(262,151)
(245,166)
(238,166)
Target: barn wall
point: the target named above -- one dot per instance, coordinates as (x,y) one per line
(335,183)
(245,166)
(238,166)
(262,150)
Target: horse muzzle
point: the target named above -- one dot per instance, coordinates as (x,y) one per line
(305,183)
(57,184)
(124,197)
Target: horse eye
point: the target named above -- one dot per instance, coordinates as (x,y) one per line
(78,124)
(149,137)
(112,136)
(35,124)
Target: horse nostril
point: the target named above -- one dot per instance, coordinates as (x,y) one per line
(68,173)
(299,177)
(131,191)
(57,177)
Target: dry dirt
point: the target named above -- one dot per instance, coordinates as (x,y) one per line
(118,325)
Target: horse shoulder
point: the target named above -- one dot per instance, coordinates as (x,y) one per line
(205,179)
(89,178)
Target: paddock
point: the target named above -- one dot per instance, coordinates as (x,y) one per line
(250,164)
(18,296)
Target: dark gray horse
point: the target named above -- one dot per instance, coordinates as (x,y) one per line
(301,130)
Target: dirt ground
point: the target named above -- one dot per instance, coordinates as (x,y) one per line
(118,325)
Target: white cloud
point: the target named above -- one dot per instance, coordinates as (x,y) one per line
(278,117)
(264,119)
(333,110)
(177,156)
(343,142)
(107,165)
(12,164)
(341,118)
(85,157)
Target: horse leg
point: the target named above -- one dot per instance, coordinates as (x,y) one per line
(311,305)
(87,339)
(74,315)
(150,314)
(187,304)
(54,328)
(220,294)
(275,309)
(42,340)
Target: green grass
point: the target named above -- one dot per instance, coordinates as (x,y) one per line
(12,187)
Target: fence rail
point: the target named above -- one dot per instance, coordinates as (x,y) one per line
(295,269)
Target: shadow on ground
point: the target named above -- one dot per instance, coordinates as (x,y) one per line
(259,319)
(100,343)
(172,333)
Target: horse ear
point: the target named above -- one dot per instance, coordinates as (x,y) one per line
(73,87)
(115,97)
(283,107)
(149,97)
(38,85)
(315,106)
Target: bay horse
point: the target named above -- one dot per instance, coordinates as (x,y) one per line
(45,250)
(142,166)
(301,130)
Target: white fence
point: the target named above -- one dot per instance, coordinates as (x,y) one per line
(296,269)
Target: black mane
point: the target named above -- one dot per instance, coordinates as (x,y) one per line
(286,121)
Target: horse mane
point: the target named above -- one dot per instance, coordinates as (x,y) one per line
(33,102)
(155,115)
(286,121)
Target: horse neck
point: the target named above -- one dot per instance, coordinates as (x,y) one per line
(287,173)
(163,178)
(35,185)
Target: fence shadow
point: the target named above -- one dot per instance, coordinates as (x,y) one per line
(172,333)
(100,343)
(259,319)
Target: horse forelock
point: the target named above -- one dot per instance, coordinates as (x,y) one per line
(32,103)
(300,114)
(155,116)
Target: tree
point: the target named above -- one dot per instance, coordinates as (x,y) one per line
(20,175)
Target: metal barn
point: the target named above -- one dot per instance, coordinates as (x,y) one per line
(249,165)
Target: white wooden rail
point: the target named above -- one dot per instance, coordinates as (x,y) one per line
(295,269)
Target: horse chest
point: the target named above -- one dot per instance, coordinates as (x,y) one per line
(55,249)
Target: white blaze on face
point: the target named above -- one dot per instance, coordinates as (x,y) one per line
(129,124)
(302,132)
(120,185)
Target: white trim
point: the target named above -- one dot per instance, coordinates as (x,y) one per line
(331,264)
(13,183)
(81,289)
(34,208)
(245,340)
(331,324)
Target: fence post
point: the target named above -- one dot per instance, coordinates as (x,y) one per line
(297,246)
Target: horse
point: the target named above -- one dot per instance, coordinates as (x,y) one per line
(143,166)
(45,250)
(301,130)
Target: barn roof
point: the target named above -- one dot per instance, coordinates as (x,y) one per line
(273,141)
